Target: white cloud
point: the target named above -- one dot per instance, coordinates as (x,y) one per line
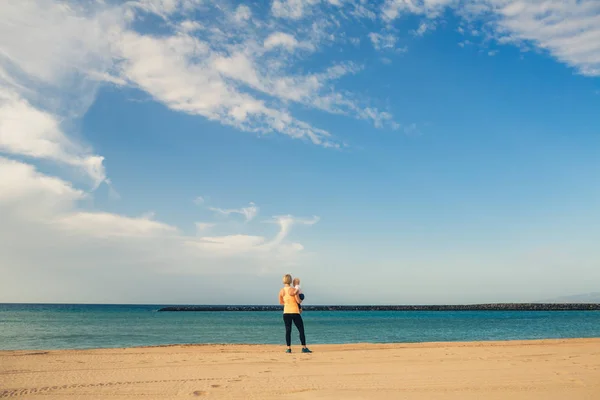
(34,195)
(380,118)
(382,41)
(424,27)
(106,77)
(199,200)
(106,225)
(237,66)
(242,13)
(160,7)
(165,8)
(364,10)
(281,39)
(30,30)
(248,212)
(306,89)
(189,26)
(51,200)
(26,131)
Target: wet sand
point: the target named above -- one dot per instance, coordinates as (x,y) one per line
(542,369)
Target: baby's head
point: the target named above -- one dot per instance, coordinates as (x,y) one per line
(296,282)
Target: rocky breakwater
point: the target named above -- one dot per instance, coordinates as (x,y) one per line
(466,307)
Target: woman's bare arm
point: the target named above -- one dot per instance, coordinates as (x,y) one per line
(281,297)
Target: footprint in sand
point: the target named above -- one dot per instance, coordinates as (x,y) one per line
(199,393)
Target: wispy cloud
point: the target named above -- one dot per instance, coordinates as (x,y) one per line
(248,212)
(424,27)
(286,222)
(382,41)
(202,88)
(242,13)
(258,245)
(393,9)
(285,41)
(292,9)
(199,200)
(568,30)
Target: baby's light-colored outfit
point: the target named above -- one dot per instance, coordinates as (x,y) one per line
(299,293)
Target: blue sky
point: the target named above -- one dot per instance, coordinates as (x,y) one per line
(174,151)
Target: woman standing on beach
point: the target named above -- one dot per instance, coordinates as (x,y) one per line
(291,313)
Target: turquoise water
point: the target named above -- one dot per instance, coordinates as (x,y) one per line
(26,326)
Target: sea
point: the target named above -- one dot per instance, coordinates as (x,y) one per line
(82,326)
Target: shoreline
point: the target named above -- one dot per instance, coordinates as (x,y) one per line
(470,343)
(548,369)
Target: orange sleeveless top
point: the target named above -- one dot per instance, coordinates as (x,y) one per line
(290,305)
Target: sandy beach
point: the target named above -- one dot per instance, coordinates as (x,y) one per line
(541,369)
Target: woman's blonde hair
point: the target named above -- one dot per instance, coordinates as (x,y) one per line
(287,279)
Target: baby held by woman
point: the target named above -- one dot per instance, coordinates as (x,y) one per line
(296,285)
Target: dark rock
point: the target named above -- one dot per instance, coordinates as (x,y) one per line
(465,307)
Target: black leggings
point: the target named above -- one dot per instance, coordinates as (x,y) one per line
(297,319)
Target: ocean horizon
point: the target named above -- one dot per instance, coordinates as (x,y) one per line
(84,326)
